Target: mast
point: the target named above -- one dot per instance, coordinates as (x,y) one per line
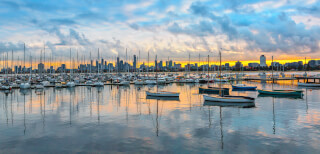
(24,57)
(11,62)
(98,63)
(44,57)
(189,65)
(272,72)
(70,66)
(90,63)
(198,65)
(157,74)
(220,91)
(208,70)
(40,71)
(148,66)
(30,68)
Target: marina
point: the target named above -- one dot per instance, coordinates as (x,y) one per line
(126,118)
(159,77)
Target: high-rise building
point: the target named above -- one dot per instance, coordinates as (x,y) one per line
(263,61)
(40,67)
(238,65)
(134,62)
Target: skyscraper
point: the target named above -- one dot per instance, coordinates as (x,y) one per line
(263,61)
(134,62)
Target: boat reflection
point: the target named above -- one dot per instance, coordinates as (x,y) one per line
(244,90)
(227,104)
(281,96)
(164,98)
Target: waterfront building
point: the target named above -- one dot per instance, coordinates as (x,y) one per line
(263,62)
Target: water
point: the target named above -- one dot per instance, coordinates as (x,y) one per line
(121,119)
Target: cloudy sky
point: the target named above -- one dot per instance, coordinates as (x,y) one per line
(245,29)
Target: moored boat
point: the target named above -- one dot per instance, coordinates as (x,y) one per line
(243,87)
(308,84)
(230,99)
(214,90)
(281,92)
(163,94)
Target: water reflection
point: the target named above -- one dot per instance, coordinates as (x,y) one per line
(122,119)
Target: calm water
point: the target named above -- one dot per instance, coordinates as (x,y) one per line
(121,119)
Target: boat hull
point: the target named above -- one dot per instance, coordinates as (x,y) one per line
(244,88)
(229,99)
(162,94)
(309,84)
(214,90)
(281,92)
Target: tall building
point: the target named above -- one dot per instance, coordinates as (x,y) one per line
(238,65)
(263,61)
(40,67)
(134,62)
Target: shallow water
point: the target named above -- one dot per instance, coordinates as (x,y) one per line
(121,119)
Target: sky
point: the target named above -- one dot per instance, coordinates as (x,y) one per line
(241,29)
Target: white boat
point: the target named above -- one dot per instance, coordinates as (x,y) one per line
(71,84)
(220,80)
(139,82)
(309,84)
(25,85)
(231,99)
(98,84)
(39,86)
(151,82)
(46,83)
(124,83)
(59,85)
(162,94)
(14,85)
(5,87)
(190,80)
(89,83)
(161,81)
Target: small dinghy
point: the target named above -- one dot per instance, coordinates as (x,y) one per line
(281,92)
(162,94)
(243,87)
(308,84)
(164,98)
(229,99)
(214,90)
(228,104)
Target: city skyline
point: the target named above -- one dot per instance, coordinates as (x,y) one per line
(289,30)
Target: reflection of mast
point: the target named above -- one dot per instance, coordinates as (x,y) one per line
(70,110)
(90,99)
(98,107)
(157,119)
(274,117)
(11,110)
(24,114)
(307,100)
(210,121)
(221,132)
(6,108)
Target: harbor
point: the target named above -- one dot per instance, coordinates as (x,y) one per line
(123,118)
(159,77)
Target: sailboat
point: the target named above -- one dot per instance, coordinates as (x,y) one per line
(227,98)
(243,87)
(70,84)
(26,85)
(278,91)
(98,83)
(161,93)
(213,90)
